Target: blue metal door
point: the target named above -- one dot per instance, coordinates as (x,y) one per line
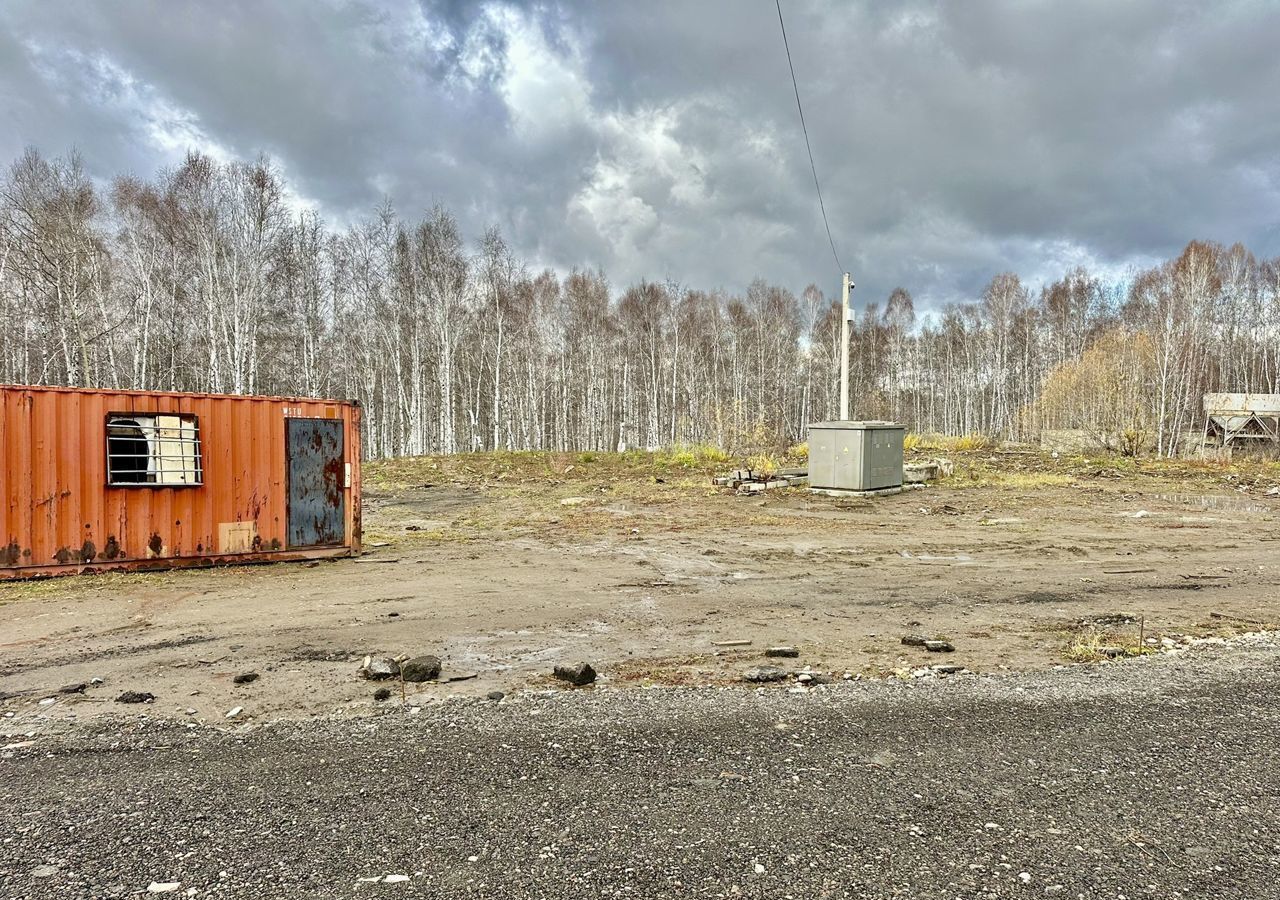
(317,476)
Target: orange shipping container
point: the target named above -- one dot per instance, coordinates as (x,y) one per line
(96,479)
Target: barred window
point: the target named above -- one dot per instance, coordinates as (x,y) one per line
(153,450)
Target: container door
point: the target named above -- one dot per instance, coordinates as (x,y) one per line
(317,495)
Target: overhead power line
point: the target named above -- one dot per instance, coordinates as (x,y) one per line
(805,128)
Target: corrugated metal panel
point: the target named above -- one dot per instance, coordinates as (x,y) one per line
(1242,404)
(59,514)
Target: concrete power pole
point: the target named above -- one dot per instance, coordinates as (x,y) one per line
(846,316)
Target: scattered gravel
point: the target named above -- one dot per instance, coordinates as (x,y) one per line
(1153,777)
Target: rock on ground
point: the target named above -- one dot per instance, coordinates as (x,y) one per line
(761,674)
(379,668)
(578,675)
(421,668)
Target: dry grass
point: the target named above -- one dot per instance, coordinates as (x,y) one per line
(1087,647)
(684,466)
(1021,481)
(963,443)
(580,494)
(13,591)
(697,461)
(1091,645)
(112,583)
(662,476)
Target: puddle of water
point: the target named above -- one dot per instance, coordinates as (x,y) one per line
(1209,501)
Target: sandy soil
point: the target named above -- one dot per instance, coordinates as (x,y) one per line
(505,578)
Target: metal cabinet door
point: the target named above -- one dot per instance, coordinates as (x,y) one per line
(317,495)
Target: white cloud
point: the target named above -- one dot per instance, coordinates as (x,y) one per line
(166,127)
(911,25)
(545,89)
(641,159)
(954,141)
(169,129)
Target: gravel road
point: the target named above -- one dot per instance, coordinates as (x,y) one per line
(1149,778)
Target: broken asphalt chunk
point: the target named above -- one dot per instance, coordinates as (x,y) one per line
(762,674)
(136,697)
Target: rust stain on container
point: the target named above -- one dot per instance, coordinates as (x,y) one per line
(94,479)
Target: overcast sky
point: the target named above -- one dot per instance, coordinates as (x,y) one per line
(954,140)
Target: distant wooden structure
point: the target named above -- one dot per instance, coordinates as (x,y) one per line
(1248,419)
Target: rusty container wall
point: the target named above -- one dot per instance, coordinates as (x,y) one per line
(58,515)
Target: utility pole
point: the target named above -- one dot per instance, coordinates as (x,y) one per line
(846,316)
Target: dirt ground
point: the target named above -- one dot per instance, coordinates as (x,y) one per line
(505,565)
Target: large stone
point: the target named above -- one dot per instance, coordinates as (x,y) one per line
(379,668)
(421,668)
(762,674)
(782,652)
(577,675)
(914,640)
(939,646)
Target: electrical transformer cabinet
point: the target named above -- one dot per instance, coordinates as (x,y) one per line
(855,456)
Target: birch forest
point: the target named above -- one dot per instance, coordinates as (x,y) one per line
(206,278)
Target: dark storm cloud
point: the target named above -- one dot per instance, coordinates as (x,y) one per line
(955,140)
